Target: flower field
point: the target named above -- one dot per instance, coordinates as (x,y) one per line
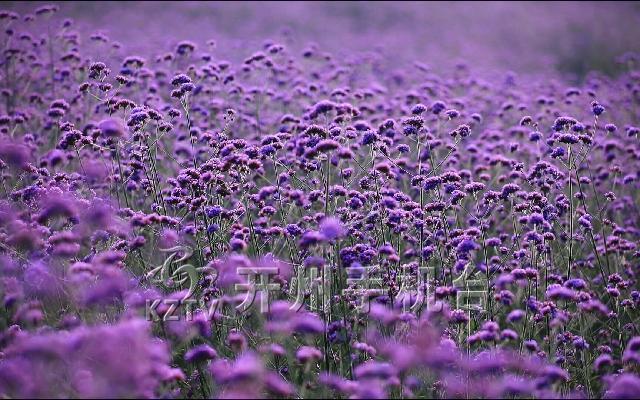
(319,200)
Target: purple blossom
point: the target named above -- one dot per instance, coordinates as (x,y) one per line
(304,215)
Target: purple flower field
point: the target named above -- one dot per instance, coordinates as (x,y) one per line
(320,200)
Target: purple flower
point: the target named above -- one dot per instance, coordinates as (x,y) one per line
(374,370)
(508,334)
(437,107)
(596,108)
(557,292)
(119,360)
(623,386)
(602,361)
(332,228)
(247,370)
(466,246)
(531,345)
(111,128)
(200,353)
(368,138)
(14,154)
(307,354)
(311,238)
(515,315)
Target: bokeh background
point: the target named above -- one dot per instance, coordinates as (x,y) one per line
(571,38)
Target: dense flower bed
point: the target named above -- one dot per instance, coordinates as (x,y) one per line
(301,225)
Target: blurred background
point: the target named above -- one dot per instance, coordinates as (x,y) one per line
(571,38)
